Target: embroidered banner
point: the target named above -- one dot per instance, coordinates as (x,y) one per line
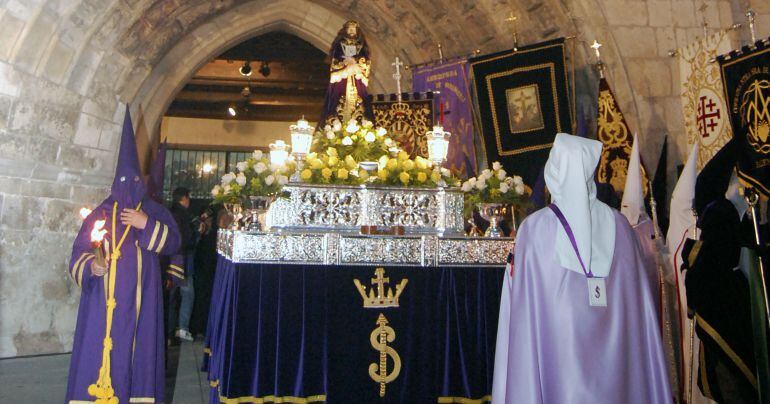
(613,132)
(451,80)
(407,121)
(746,77)
(703,102)
(521,102)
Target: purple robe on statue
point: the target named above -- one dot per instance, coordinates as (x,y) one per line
(553,347)
(347,97)
(137,355)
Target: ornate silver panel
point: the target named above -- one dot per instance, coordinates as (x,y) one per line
(347,208)
(341,249)
(483,251)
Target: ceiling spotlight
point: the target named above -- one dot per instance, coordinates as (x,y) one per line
(264,69)
(245,70)
(231,111)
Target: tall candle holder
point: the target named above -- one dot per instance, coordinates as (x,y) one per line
(301,140)
(438,148)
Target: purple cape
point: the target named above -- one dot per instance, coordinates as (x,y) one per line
(553,347)
(137,356)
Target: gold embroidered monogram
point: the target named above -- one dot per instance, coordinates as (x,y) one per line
(379,339)
(755,114)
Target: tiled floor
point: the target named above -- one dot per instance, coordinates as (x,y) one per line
(43,379)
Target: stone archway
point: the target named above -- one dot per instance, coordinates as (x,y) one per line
(301,18)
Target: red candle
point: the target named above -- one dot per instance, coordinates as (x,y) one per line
(441,114)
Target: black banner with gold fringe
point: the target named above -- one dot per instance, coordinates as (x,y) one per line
(521,101)
(746,78)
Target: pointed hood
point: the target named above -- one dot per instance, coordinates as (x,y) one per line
(632,205)
(128,188)
(714,179)
(682,218)
(155,180)
(569,175)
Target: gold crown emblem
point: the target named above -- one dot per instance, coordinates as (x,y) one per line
(379,295)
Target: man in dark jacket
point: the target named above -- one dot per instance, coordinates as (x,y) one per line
(182,285)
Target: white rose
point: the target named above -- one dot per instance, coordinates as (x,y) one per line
(226,188)
(369,137)
(240,179)
(269,180)
(501,175)
(330,135)
(467,186)
(381,131)
(496,165)
(445,172)
(486,174)
(228,178)
(520,189)
(517,180)
(260,167)
(480,185)
(388,142)
(257,154)
(504,187)
(283,180)
(241,166)
(336,126)
(327,128)
(347,141)
(352,127)
(472,181)
(366,124)
(216,190)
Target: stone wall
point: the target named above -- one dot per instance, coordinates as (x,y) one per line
(67,68)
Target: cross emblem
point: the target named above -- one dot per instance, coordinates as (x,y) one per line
(708,113)
(380,281)
(397,76)
(522,100)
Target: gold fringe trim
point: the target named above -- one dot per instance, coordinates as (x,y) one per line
(464,400)
(321,398)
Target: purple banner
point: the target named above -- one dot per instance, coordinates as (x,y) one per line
(451,79)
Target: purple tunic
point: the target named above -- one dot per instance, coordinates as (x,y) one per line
(553,347)
(137,357)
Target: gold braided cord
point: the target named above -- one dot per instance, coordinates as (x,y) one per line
(102,389)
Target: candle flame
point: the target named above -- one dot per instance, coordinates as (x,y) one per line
(84,212)
(98,232)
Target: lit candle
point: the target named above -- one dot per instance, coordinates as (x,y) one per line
(279,152)
(302,123)
(97,238)
(84,212)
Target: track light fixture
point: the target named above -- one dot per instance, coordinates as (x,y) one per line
(264,70)
(245,70)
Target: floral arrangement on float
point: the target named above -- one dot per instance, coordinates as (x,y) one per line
(257,182)
(360,153)
(353,154)
(493,192)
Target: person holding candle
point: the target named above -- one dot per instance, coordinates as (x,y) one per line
(118,349)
